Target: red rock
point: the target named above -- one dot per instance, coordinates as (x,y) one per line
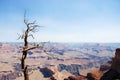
(75,78)
(114,72)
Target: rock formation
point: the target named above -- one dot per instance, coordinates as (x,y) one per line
(75,78)
(52,78)
(114,71)
(90,76)
(111,70)
(105,66)
(46,72)
(73,68)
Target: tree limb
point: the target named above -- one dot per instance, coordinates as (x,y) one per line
(31,48)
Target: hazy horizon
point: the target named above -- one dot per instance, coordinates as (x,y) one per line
(65,42)
(95,21)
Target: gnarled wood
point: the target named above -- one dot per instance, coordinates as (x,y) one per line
(31,28)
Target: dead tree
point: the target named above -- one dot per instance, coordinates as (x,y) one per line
(31,28)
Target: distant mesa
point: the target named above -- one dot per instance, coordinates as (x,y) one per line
(73,68)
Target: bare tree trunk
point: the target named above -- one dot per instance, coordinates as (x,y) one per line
(23,63)
(31,28)
(24,66)
(26,76)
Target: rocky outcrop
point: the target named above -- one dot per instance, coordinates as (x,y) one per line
(46,72)
(52,78)
(75,78)
(73,68)
(110,75)
(114,71)
(111,69)
(10,76)
(90,76)
(105,66)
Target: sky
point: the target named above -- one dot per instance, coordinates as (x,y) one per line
(62,20)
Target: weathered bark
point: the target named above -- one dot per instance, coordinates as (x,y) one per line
(23,63)
(26,76)
(24,66)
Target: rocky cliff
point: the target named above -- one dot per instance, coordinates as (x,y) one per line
(114,72)
(108,71)
(74,68)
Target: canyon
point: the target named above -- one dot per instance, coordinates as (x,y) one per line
(63,61)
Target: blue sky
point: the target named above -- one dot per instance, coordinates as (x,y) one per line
(63,20)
